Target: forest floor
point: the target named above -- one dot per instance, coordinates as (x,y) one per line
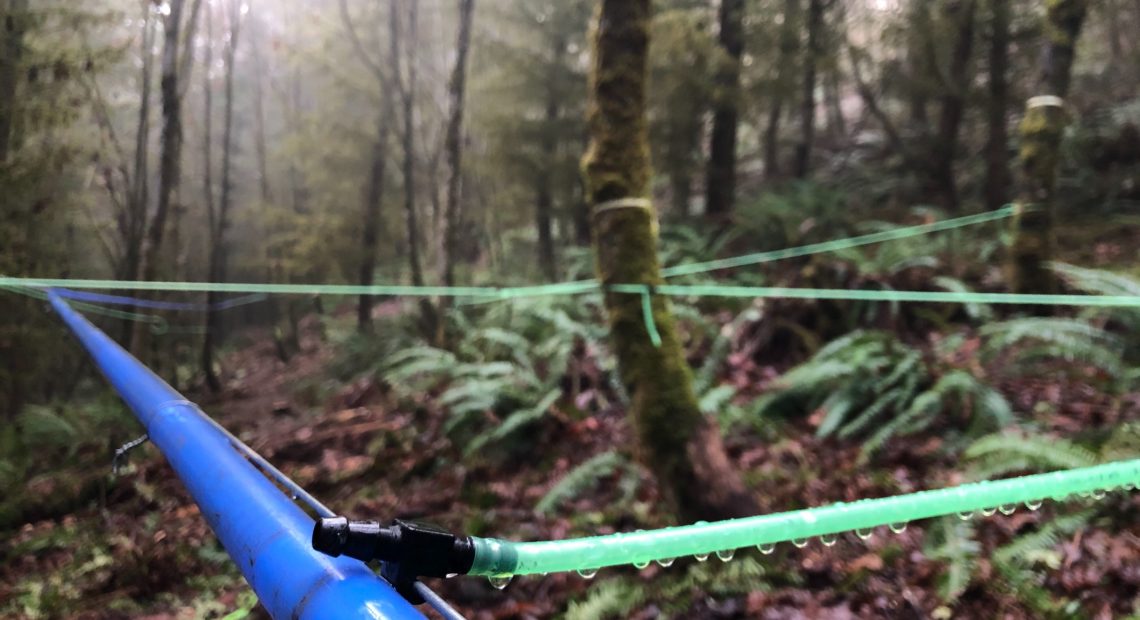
(145,552)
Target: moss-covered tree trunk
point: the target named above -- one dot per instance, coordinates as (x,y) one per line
(681,446)
(1041,131)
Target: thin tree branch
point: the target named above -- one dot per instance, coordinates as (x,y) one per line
(370,63)
(186,62)
(872,103)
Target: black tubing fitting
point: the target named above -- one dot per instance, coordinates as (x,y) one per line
(362,540)
(409,549)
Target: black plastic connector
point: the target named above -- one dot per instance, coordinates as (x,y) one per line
(408,549)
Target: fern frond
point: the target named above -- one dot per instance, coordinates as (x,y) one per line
(614,598)
(580,479)
(1042,453)
(514,422)
(952,541)
(43,427)
(716,399)
(1025,549)
(976,311)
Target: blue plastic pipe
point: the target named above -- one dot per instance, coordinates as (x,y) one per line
(266,534)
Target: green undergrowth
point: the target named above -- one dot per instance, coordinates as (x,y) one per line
(57,457)
(675,592)
(1023,560)
(512,376)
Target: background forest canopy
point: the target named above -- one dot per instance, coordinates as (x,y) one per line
(470,142)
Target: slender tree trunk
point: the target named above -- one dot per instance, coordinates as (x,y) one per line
(15,25)
(772,140)
(170,163)
(374,194)
(802,164)
(259,137)
(170,167)
(720,178)
(544,204)
(140,191)
(681,190)
(681,446)
(997,142)
(953,105)
(406,83)
(1041,131)
(921,64)
(836,123)
(14,360)
(371,233)
(583,229)
(457,89)
(544,177)
(785,75)
(218,248)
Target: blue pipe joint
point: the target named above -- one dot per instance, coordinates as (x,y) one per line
(266,534)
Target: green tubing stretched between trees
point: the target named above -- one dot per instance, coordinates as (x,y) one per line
(498,558)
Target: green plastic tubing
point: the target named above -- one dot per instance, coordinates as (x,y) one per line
(498,558)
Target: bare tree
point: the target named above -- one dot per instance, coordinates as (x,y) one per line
(404,63)
(219,220)
(139,195)
(457,89)
(374,192)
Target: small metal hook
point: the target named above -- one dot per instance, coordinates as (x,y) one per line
(122,455)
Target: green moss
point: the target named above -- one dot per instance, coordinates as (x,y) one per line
(617,162)
(1041,131)
(1063,19)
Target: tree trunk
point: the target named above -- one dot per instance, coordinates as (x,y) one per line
(836,123)
(543,212)
(457,90)
(371,230)
(170,163)
(218,249)
(1041,131)
(374,194)
(945,147)
(544,177)
(802,164)
(785,75)
(997,142)
(208,185)
(15,25)
(681,446)
(265,190)
(406,84)
(720,178)
(140,191)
